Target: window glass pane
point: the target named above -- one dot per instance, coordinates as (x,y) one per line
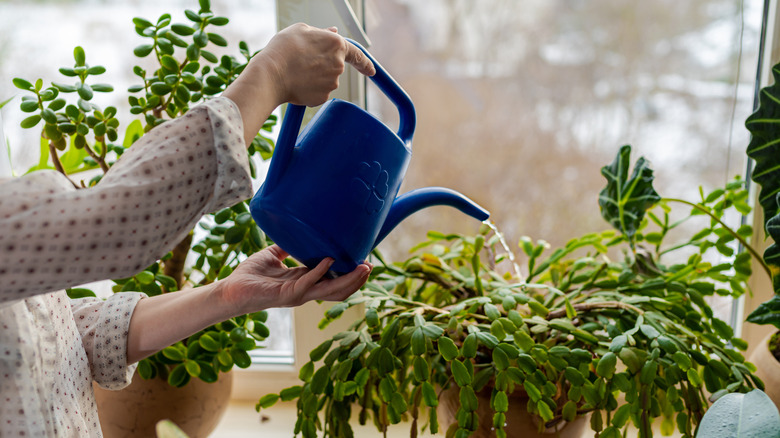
(520,103)
(5,164)
(37,38)
(279,347)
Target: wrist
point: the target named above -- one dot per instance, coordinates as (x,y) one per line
(219,301)
(256,93)
(265,73)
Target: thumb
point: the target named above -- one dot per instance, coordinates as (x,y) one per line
(334,29)
(278,252)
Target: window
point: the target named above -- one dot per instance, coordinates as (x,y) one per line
(519,104)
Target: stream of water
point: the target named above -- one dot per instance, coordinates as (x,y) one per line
(504,245)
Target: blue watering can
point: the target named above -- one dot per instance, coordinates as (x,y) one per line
(332,193)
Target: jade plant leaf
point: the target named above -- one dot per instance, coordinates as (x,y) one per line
(737,415)
(625,199)
(168,429)
(3,103)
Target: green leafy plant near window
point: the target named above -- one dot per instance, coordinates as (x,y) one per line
(604,326)
(78,135)
(764,148)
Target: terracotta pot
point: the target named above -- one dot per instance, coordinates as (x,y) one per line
(133,412)
(519,423)
(768,369)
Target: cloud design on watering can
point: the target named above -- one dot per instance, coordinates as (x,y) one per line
(370,187)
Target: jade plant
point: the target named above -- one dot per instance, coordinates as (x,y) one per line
(77,135)
(614,325)
(764,148)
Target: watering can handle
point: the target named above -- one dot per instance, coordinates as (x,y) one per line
(396,94)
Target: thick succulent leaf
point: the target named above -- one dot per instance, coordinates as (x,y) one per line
(767,313)
(772,253)
(3,103)
(625,199)
(764,147)
(167,429)
(751,415)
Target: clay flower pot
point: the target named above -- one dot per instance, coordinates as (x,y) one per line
(519,423)
(134,411)
(768,369)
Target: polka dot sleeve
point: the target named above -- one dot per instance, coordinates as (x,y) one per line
(53,236)
(103,326)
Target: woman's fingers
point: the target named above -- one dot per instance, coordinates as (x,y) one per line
(338,289)
(310,279)
(278,252)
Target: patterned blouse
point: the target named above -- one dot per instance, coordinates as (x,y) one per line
(53,236)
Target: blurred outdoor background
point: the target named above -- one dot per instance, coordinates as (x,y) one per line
(519,102)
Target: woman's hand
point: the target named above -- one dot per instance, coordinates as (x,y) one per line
(260,282)
(301,64)
(307,62)
(263,281)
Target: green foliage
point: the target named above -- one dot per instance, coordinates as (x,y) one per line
(208,352)
(186,74)
(79,292)
(764,148)
(741,416)
(767,312)
(78,135)
(603,325)
(625,199)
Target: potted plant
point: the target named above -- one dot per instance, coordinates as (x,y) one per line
(77,135)
(764,149)
(614,325)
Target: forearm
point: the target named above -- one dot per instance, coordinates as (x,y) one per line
(162,320)
(255,94)
(260,282)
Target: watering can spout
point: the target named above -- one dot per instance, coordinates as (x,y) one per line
(285,146)
(415,200)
